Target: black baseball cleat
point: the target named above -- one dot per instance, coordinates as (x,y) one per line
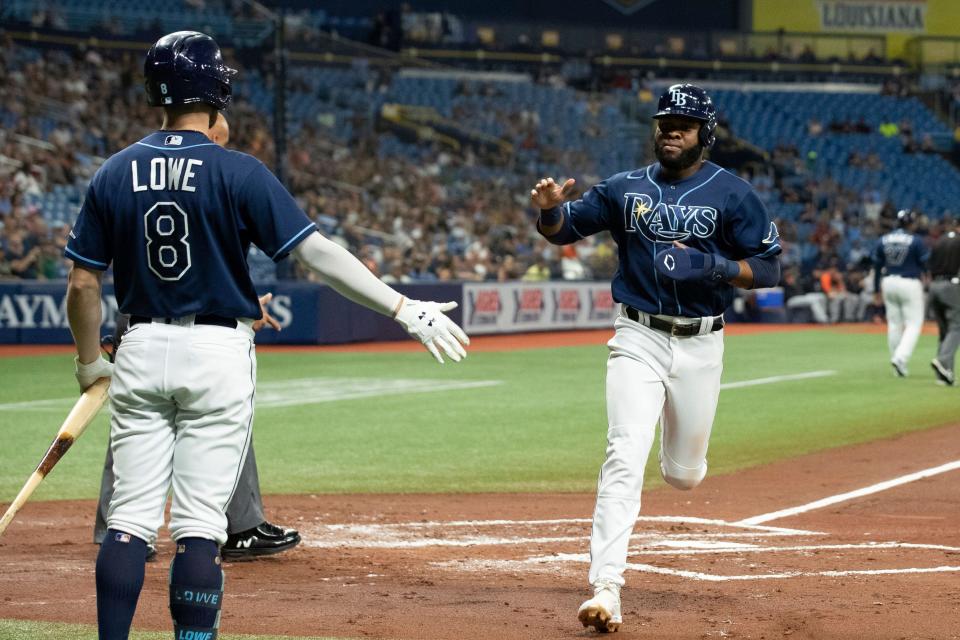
(899,369)
(263,540)
(944,375)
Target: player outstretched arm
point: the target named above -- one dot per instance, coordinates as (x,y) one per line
(423,320)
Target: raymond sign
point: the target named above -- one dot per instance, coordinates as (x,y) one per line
(873,16)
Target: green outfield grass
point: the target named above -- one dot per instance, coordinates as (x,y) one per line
(540,428)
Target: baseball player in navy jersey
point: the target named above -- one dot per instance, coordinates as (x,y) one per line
(249,534)
(175,215)
(899,261)
(688,232)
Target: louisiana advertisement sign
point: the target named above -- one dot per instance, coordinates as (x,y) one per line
(873,16)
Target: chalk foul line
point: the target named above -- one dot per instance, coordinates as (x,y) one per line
(774,379)
(850,495)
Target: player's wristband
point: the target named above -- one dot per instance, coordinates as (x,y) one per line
(550,217)
(723,270)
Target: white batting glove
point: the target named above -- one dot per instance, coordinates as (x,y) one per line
(89,373)
(424,321)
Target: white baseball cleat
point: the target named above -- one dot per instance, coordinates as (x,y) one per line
(602,611)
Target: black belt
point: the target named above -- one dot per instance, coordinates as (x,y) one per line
(673,328)
(219,321)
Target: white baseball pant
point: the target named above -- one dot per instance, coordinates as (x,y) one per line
(182,397)
(651,377)
(903,299)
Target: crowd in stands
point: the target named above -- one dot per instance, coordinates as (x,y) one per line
(411,218)
(888,129)
(427,213)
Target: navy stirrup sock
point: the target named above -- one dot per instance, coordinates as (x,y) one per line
(119,580)
(196,589)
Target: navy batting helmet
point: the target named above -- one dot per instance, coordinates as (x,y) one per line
(906,217)
(693,102)
(186,67)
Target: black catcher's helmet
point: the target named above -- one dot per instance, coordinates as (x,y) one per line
(186,67)
(693,102)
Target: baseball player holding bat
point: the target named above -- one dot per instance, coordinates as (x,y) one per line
(249,534)
(175,214)
(688,232)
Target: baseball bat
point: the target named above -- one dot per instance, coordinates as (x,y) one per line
(82,414)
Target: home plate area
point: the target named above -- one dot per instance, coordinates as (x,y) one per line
(687,548)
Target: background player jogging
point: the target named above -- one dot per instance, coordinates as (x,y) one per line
(688,232)
(900,259)
(175,215)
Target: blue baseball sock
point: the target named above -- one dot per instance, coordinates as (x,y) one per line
(196,589)
(119,580)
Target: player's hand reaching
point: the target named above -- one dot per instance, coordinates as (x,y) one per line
(547,194)
(426,322)
(681,262)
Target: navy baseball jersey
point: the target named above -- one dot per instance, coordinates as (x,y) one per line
(175,213)
(713,211)
(901,253)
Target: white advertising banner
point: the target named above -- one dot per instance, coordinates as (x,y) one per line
(515,307)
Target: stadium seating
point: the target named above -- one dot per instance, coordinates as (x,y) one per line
(909,180)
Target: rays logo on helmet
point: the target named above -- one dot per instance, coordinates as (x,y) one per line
(678,98)
(667,222)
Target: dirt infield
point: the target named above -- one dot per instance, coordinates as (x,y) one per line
(497,566)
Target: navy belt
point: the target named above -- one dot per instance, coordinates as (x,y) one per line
(673,328)
(219,321)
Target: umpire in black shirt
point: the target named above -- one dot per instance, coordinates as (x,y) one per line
(944,268)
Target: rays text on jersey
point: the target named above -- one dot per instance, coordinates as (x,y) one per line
(166,174)
(667,222)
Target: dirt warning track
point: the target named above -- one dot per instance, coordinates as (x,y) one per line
(506,342)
